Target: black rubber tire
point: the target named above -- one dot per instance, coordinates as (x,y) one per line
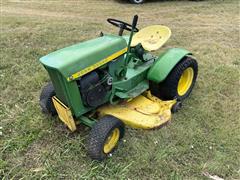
(167,90)
(137,1)
(99,134)
(46,99)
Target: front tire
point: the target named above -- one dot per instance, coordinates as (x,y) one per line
(45,99)
(179,83)
(104,137)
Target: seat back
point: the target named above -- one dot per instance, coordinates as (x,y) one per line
(152,37)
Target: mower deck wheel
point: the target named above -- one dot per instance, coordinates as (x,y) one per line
(176,107)
(104,137)
(45,100)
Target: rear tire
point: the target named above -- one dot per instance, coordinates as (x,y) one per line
(137,1)
(104,137)
(45,101)
(179,83)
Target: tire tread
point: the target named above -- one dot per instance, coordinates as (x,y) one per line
(100,131)
(167,89)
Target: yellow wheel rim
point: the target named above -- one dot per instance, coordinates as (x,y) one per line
(185,81)
(111,141)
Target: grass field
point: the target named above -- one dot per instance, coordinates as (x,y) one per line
(203,138)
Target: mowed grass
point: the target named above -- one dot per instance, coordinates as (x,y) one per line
(203,138)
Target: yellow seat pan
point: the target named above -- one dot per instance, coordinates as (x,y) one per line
(143,112)
(152,37)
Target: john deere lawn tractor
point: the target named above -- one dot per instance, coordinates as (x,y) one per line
(113,81)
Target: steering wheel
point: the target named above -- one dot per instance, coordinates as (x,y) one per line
(122,25)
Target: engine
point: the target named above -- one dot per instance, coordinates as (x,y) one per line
(94,87)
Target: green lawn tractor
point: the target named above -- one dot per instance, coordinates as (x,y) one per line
(113,81)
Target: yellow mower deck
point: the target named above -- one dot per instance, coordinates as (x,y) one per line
(143,112)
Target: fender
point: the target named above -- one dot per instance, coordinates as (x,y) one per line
(165,63)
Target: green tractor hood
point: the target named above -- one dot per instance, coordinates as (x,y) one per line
(75,61)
